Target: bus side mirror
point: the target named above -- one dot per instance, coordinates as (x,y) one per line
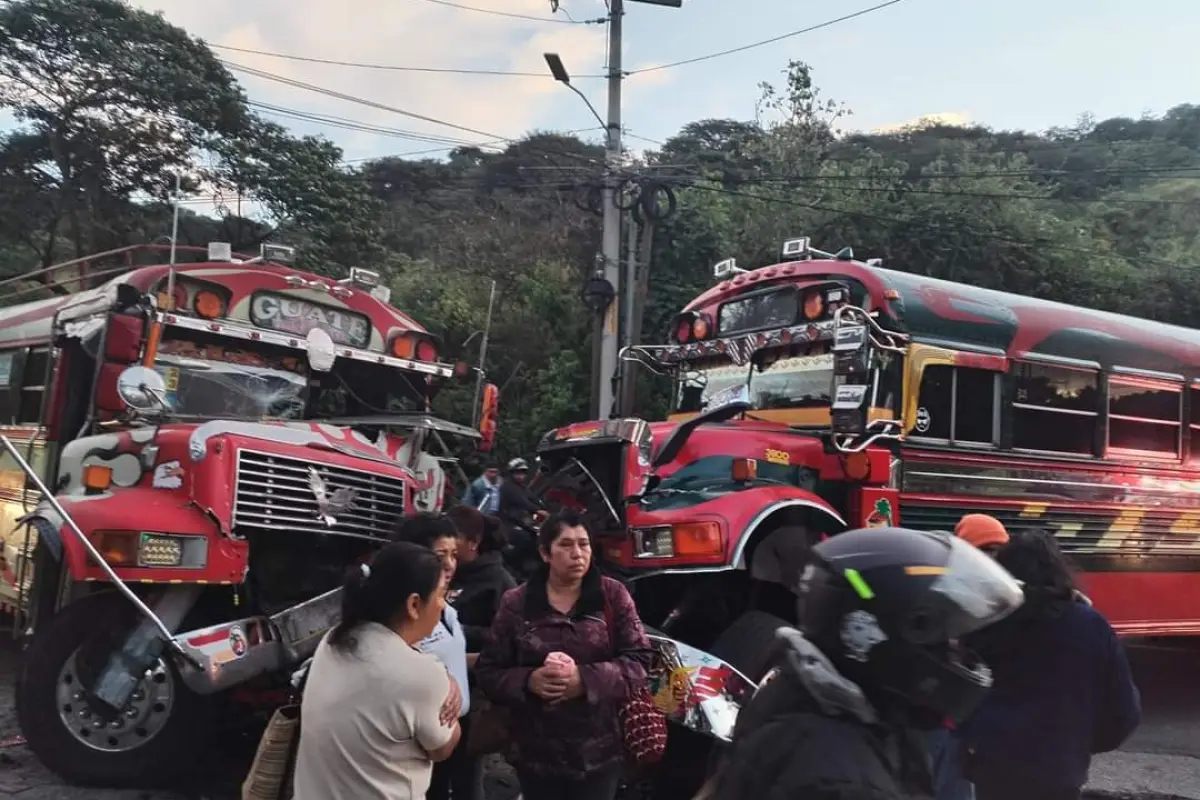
(853,354)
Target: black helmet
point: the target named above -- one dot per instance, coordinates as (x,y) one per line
(887,606)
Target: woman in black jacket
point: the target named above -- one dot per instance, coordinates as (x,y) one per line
(1063,689)
(481,579)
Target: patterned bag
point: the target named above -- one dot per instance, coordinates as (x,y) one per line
(643,726)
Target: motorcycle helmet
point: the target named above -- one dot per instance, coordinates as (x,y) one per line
(889,607)
(518,465)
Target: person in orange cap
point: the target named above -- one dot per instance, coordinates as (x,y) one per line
(983,531)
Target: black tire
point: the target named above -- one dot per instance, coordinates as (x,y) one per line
(167,753)
(749,643)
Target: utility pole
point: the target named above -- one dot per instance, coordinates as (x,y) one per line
(607,337)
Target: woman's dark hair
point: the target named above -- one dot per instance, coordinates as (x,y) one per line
(1034,558)
(475,526)
(424,529)
(554,525)
(380,592)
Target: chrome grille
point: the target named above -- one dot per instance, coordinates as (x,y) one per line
(273,492)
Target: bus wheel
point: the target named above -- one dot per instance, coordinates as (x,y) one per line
(157,734)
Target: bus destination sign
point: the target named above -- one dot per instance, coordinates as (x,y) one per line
(285,314)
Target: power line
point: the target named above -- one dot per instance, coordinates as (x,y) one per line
(762,43)
(393,67)
(359,100)
(356,125)
(516,16)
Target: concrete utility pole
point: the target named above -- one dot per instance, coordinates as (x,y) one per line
(607,336)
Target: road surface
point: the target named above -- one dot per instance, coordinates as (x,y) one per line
(1162,760)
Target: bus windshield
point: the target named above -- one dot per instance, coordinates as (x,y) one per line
(210,378)
(787,382)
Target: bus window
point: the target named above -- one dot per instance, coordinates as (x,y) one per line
(7,405)
(1055,409)
(1194,426)
(958,404)
(1144,418)
(33,379)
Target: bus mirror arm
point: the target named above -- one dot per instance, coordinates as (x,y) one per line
(890,430)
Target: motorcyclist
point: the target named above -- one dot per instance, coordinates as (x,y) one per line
(520,512)
(873,664)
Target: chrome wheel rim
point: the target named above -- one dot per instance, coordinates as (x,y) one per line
(142,719)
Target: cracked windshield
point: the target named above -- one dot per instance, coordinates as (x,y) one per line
(791,382)
(214,380)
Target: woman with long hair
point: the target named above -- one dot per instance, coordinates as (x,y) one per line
(566,650)
(373,719)
(459,776)
(1063,690)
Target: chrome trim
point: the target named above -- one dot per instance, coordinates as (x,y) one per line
(299,343)
(738,560)
(952,344)
(271,492)
(1149,373)
(1059,361)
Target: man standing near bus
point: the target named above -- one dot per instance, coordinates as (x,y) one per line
(484,493)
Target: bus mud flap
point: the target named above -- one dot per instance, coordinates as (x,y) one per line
(231,653)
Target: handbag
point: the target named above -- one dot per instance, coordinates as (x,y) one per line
(488,730)
(643,726)
(274,765)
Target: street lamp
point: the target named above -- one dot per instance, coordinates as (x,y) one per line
(560,74)
(598,292)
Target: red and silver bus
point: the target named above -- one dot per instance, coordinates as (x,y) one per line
(822,393)
(195,455)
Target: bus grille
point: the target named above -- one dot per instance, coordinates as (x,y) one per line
(273,493)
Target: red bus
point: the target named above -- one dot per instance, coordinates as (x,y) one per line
(218,441)
(822,393)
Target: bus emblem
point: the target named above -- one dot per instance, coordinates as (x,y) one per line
(329,505)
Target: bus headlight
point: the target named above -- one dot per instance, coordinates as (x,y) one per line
(681,540)
(149,550)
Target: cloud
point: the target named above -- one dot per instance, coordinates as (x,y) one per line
(406,33)
(959,119)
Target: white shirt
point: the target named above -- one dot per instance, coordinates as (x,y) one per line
(368,720)
(449,644)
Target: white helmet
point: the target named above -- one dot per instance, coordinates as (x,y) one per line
(518,465)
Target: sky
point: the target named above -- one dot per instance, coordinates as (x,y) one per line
(1017,64)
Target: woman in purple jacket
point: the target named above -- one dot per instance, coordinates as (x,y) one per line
(564,721)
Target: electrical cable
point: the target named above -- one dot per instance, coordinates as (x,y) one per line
(764,42)
(516,16)
(391,67)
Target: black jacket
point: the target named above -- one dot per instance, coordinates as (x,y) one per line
(810,733)
(516,502)
(1063,691)
(475,593)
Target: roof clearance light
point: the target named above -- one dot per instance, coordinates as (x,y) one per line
(814,305)
(220,251)
(700,327)
(683,330)
(364,278)
(381,293)
(874,262)
(403,347)
(426,351)
(723,269)
(796,248)
(209,305)
(279,253)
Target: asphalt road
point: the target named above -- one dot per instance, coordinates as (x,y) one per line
(1161,760)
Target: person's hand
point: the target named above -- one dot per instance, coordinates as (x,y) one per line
(546,684)
(574,687)
(452,707)
(472,658)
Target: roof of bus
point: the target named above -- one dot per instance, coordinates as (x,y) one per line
(30,323)
(963,317)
